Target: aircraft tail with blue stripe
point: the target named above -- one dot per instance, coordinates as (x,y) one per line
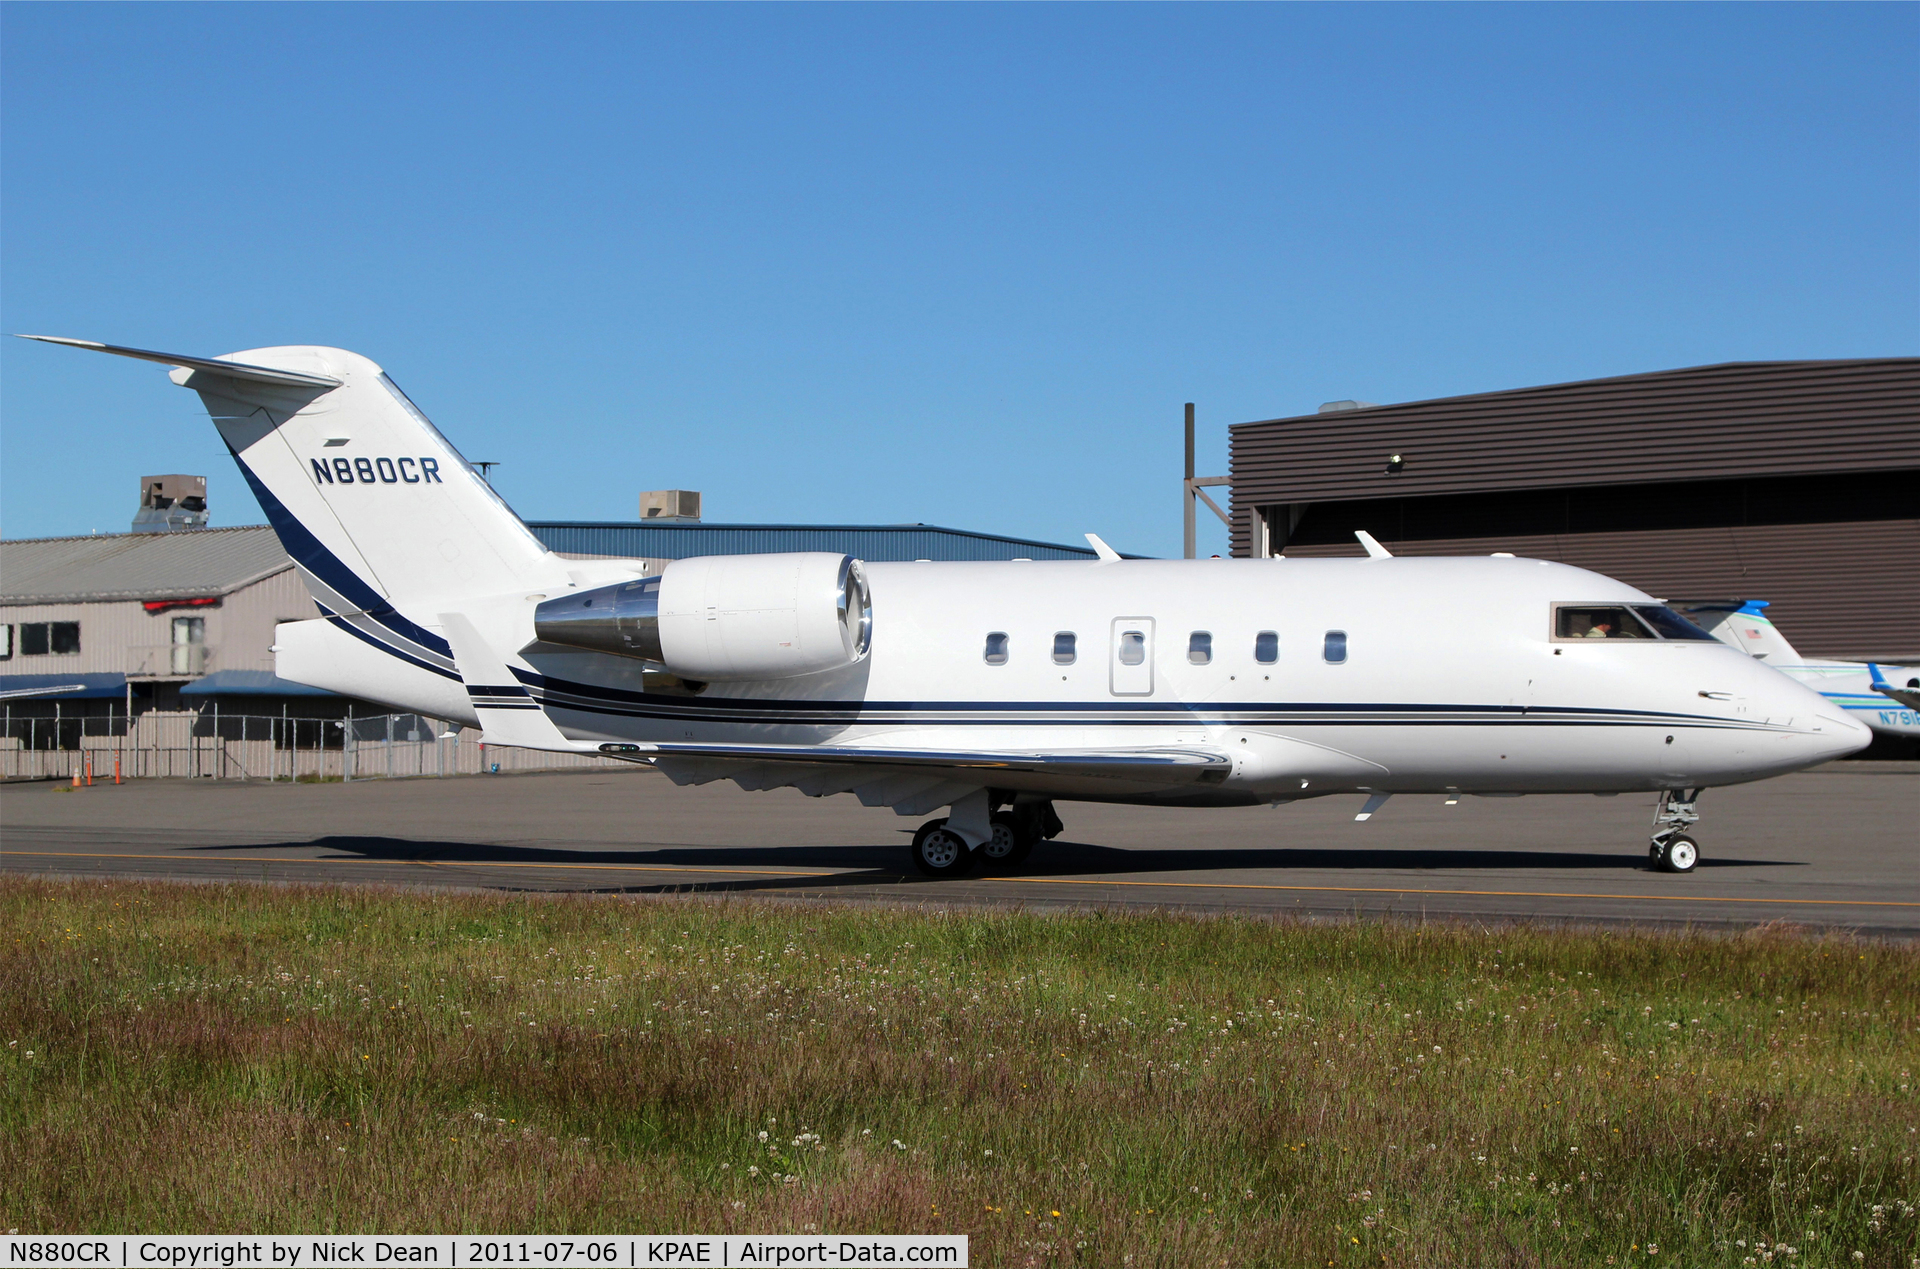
(388,524)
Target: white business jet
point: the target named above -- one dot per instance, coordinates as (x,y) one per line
(993,690)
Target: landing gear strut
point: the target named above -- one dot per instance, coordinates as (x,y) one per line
(1672,850)
(938,851)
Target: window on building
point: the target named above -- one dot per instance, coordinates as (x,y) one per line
(1063,641)
(1200,647)
(1266,647)
(43,638)
(996,653)
(6,643)
(1336,647)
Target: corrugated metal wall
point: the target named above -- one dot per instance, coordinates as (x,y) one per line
(239,630)
(1706,423)
(1837,590)
(867,542)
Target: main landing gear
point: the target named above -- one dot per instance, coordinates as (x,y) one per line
(939,851)
(1672,850)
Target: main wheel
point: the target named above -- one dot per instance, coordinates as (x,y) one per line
(1678,853)
(940,852)
(1008,845)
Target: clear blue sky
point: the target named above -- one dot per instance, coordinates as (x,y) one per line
(959,265)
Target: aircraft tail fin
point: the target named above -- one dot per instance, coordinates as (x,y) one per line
(1743,624)
(388,524)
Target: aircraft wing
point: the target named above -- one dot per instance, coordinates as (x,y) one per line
(918,781)
(26,693)
(1178,764)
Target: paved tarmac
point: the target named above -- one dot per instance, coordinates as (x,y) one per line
(1838,847)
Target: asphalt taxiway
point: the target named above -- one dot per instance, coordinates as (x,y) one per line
(1837,847)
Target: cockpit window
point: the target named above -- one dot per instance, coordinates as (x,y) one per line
(1572,622)
(1670,624)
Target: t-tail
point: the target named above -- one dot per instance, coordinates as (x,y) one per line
(388,524)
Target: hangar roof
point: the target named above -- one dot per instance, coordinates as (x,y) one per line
(188,564)
(195,563)
(1748,418)
(673,540)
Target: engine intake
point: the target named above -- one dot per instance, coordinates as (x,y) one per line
(722,617)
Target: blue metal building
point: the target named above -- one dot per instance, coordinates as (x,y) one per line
(681,539)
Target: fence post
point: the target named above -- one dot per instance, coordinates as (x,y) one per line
(389,746)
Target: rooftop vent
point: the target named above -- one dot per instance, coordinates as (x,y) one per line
(670,504)
(1335,407)
(168,503)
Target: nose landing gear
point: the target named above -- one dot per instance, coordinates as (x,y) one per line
(1671,849)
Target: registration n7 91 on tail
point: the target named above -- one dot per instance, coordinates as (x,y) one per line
(990,690)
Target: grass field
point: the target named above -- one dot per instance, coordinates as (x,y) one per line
(1069,1090)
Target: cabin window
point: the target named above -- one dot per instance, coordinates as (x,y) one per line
(1133,647)
(1669,624)
(1200,647)
(39,638)
(1335,649)
(1598,622)
(996,653)
(1063,647)
(1266,647)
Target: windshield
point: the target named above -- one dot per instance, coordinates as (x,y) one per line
(1599,622)
(1671,624)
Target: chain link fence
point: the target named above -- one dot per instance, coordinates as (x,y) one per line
(158,745)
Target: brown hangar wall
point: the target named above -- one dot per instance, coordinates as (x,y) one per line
(1831,586)
(1793,482)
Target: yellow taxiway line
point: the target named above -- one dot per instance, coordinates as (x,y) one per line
(1504,894)
(1044,881)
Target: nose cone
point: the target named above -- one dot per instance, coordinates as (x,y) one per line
(1836,734)
(1822,730)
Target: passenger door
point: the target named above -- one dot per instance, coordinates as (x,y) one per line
(1130,657)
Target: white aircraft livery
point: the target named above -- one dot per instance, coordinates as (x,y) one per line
(1884,697)
(993,690)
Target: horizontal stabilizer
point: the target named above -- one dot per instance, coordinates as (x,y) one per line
(1908,696)
(214,365)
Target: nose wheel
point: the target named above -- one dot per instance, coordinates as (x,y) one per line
(1672,849)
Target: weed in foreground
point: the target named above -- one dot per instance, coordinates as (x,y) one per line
(1095,1089)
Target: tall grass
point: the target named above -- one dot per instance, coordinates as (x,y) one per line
(1095,1089)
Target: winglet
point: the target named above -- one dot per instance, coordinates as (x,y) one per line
(508,713)
(1906,696)
(1106,553)
(213,365)
(1374,549)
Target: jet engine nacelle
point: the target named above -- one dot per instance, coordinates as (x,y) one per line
(725,616)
